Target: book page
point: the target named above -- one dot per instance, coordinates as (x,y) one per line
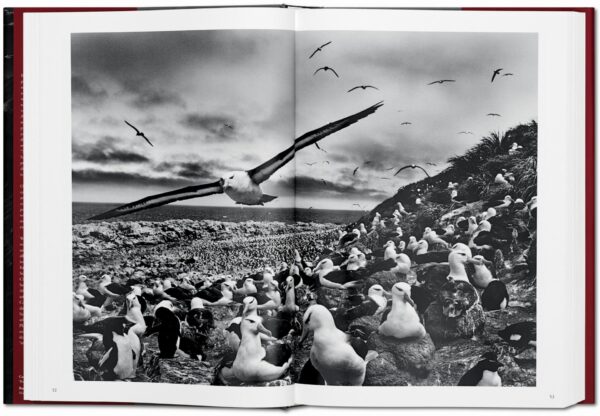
(162,112)
(446,173)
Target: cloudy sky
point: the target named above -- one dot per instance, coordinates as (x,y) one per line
(184,90)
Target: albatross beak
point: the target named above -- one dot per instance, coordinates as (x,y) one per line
(264,330)
(409,300)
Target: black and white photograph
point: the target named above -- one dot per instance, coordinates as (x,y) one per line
(270,207)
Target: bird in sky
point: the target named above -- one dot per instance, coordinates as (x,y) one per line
(355,170)
(405,123)
(138,133)
(430,164)
(357,205)
(243,187)
(508,74)
(364,87)
(465,131)
(319,147)
(442,81)
(324,181)
(383,177)
(326,68)
(229,126)
(310,163)
(494,114)
(319,49)
(495,73)
(411,167)
(326,161)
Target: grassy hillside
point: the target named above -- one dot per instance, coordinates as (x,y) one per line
(481,164)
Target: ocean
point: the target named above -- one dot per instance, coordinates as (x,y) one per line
(84,210)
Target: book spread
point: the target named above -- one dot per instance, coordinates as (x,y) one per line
(299,202)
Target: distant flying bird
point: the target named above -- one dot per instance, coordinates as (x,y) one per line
(412,167)
(441,81)
(405,123)
(310,164)
(430,164)
(319,147)
(355,170)
(508,74)
(357,205)
(326,68)
(465,132)
(319,49)
(243,187)
(138,133)
(496,72)
(326,161)
(364,87)
(383,177)
(494,114)
(229,126)
(310,207)
(324,181)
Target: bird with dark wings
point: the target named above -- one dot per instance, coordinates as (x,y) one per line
(243,187)
(319,49)
(138,133)
(411,167)
(441,81)
(495,73)
(363,87)
(325,69)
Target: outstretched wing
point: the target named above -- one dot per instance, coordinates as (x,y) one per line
(145,138)
(132,126)
(313,54)
(333,70)
(401,169)
(417,166)
(325,44)
(163,199)
(318,69)
(263,172)
(371,86)
(352,89)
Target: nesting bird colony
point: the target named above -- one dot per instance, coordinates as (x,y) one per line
(435,286)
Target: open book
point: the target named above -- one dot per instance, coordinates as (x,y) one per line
(333,207)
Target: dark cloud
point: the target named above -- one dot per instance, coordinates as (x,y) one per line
(83,90)
(306,186)
(154,54)
(95,176)
(218,126)
(105,151)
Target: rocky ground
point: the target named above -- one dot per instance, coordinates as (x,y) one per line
(209,249)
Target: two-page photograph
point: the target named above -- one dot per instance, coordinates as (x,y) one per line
(281,206)
(393,246)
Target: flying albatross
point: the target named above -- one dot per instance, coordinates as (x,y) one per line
(138,133)
(241,186)
(412,167)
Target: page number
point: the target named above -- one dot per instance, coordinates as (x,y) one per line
(54,389)
(552,396)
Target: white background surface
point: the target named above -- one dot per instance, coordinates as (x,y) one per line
(151,410)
